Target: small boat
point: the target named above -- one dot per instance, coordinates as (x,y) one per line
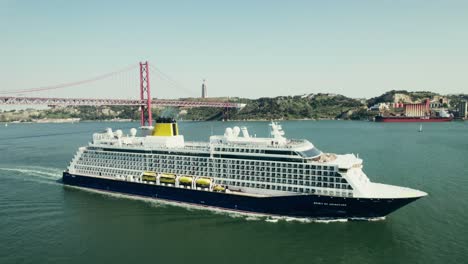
(186,180)
(203,181)
(420,128)
(219,188)
(149,176)
(167,178)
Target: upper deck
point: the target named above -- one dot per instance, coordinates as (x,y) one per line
(235,143)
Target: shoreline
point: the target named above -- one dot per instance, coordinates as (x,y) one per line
(58,121)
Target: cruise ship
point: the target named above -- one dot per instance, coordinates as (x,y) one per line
(273,176)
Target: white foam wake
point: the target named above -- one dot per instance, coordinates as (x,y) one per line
(31,172)
(51,175)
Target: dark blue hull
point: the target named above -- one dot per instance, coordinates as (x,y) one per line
(314,206)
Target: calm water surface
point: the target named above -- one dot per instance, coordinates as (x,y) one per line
(42,221)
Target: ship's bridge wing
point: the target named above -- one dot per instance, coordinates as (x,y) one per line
(309,153)
(348,161)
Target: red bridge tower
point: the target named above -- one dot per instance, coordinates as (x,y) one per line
(145,95)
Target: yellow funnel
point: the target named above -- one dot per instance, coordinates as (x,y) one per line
(165,127)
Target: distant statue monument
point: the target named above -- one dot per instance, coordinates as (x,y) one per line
(204,91)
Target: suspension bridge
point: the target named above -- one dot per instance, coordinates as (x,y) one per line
(145,103)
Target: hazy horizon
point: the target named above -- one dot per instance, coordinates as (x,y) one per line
(359,49)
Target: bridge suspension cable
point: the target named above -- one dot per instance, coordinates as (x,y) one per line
(71,84)
(171,82)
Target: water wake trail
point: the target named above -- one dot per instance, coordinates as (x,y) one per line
(50,175)
(34,173)
(46,135)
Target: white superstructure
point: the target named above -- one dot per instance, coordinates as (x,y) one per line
(270,166)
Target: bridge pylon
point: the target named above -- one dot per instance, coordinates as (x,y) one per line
(146,116)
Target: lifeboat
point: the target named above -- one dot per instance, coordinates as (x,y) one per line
(167,178)
(219,188)
(186,180)
(203,182)
(149,176)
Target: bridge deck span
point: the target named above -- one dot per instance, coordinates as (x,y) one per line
(10,100)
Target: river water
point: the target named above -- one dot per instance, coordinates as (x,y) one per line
(42,221)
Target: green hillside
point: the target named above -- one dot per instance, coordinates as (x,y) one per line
(312,106)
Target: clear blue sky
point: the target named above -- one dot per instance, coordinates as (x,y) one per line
(243,48)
